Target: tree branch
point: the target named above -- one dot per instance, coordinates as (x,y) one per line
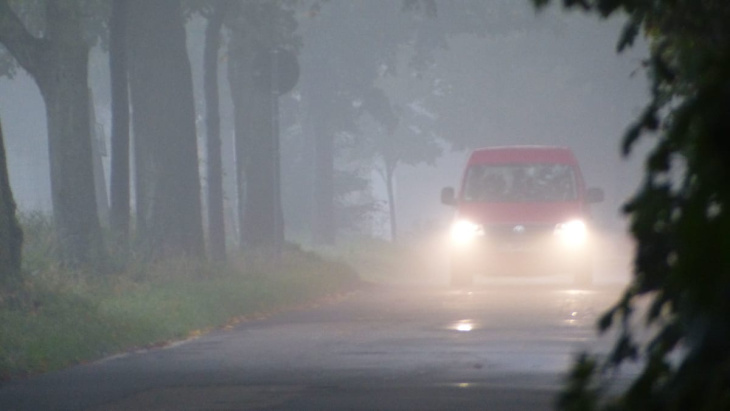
(26,48)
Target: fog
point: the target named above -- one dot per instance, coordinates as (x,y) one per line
(277,183)
(513,77)
(561,85)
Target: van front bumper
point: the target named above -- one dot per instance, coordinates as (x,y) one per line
(517,249)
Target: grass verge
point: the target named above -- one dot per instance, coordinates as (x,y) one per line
(56,318)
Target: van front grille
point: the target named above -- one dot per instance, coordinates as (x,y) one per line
(519,233)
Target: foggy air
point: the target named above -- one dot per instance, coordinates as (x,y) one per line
(456,81)
(308,201)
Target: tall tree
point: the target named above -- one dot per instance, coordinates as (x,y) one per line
(679,218)
(120,184)
(254,142)
(397,138)
(58,61)
(261,31)
(11,235)
(339,72)
(216,227)
(166,158)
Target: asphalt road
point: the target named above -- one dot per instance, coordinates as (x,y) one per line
(501,345)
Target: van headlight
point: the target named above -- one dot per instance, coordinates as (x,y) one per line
(574,232)
(465,231)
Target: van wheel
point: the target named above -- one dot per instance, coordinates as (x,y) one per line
(461,277)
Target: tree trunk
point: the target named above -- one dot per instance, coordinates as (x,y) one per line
(166,157)
(324,229)
(119,213)
(320,92)
(11,235)
(389,174)
(255,145)
(216,228)
(239,124)
(58,64)
(64,86)
(102,198)
(72,177)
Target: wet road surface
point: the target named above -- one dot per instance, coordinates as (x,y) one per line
(496,346)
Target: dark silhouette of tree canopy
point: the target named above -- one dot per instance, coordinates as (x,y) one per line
(679,217)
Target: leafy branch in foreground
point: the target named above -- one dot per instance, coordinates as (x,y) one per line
(679,217)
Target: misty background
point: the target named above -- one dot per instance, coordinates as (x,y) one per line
(518,77)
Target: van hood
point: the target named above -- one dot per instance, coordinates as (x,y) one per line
(520,213)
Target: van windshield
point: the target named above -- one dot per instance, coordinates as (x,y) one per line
(519,183)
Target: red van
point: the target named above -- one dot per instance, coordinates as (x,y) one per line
(521,210)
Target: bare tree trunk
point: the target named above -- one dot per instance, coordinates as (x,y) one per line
(255,145)
(216,227)
(235,65)
(102,198)
(389,174)
(119,213)
(164,128)
(321,94)
(324,229)
(58,64)
(72,177)
(11,235)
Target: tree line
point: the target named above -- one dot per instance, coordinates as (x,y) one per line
(153,129)
(153,133)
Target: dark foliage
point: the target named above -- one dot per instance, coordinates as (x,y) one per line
(679,217)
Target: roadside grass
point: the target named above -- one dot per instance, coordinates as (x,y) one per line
(55,318)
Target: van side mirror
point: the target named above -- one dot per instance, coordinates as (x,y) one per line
(594,195)
(448,196)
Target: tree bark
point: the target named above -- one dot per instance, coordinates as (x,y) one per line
(235,64)
(102,197)
(120,187)
(321,95)
(65,92)
(216,227)
(58,64)
(11,235)
(255,145)
(166,157)
(324,229)
(389,174)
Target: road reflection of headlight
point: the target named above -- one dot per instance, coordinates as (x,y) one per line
(463,326)
(464,231)
(572,233)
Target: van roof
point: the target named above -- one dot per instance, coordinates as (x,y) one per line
(522,154)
